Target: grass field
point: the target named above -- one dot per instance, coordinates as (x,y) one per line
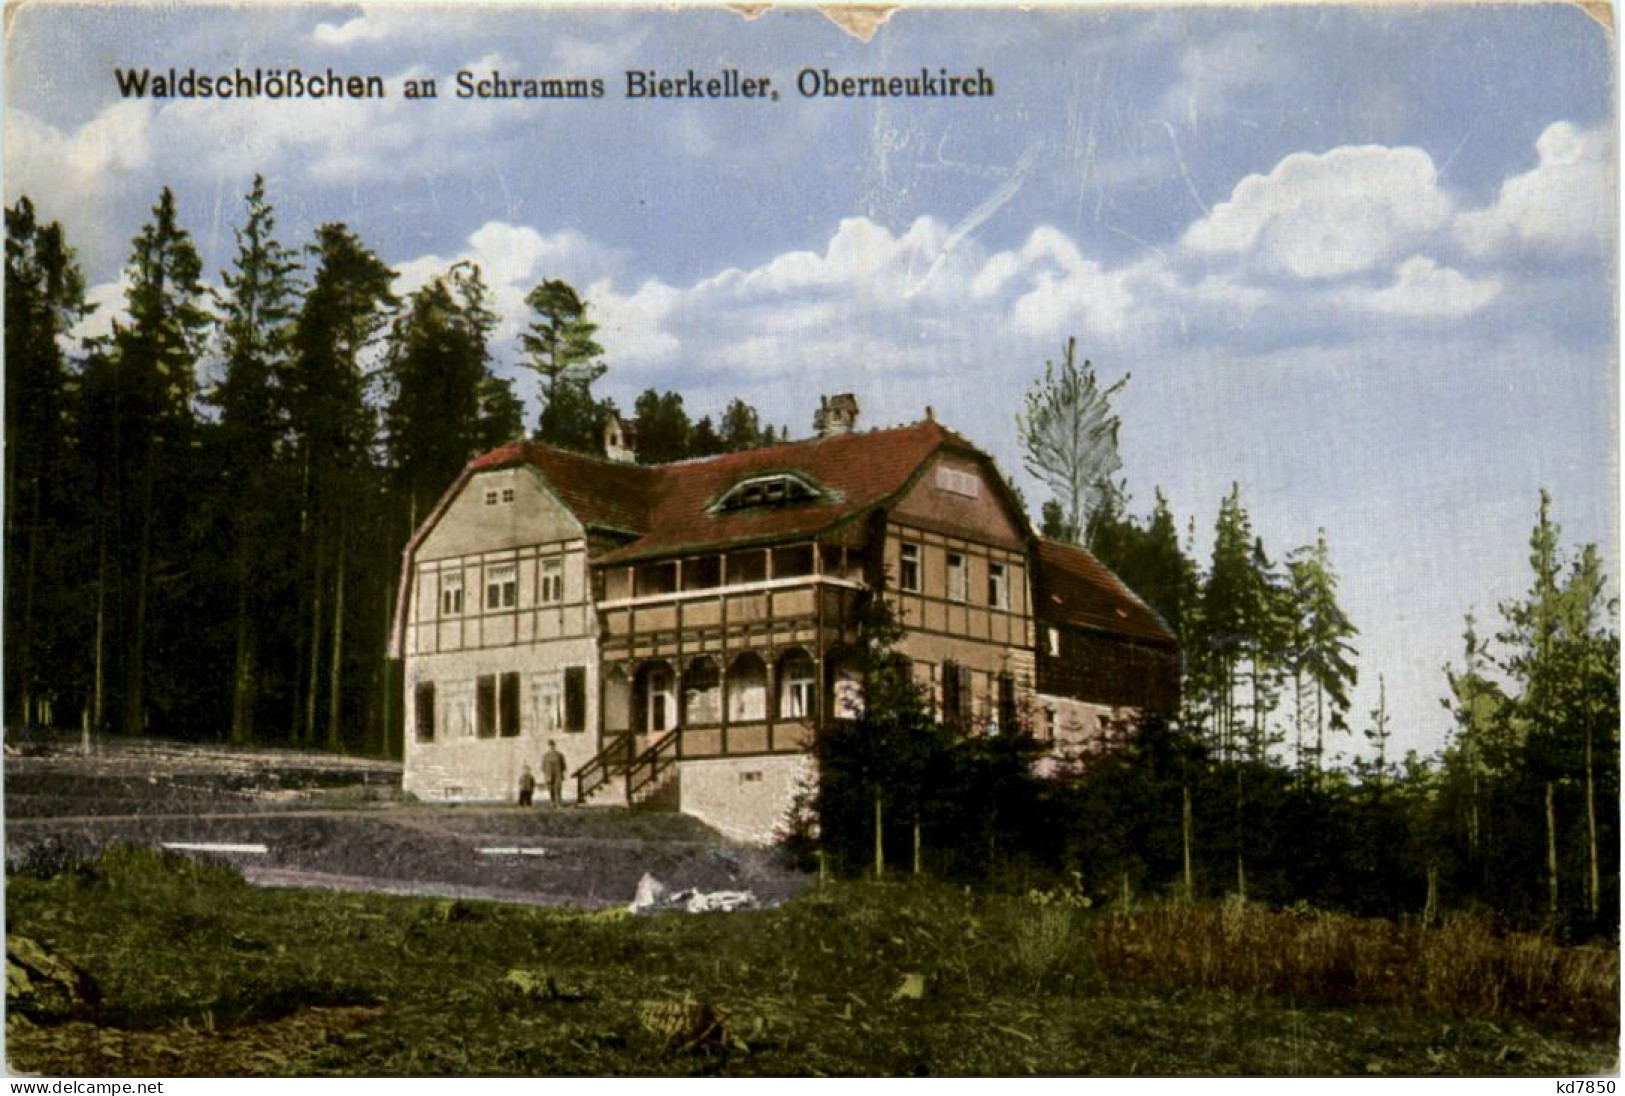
(201,973)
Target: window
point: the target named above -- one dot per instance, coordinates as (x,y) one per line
(797,678)
(957,684)
(508,705)
(747,689)
(485,706)
(958,482)
(792,562)
(998,586)
(552,581)
(575,699)
(702,693)
(491,498)
(751,776)
(656,578)
(776,490)
(702,572)
(502,586)
(909,576)
(423,711)
(958,585)
(1007,703)
(660,708)
(545,717)
(451,593)
(507,494)
(747,566)
(1052,638)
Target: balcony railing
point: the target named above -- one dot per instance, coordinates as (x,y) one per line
(737,588)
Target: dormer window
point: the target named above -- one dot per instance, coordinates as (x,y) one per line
(782,489)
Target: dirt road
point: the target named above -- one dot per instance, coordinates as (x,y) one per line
(338,822)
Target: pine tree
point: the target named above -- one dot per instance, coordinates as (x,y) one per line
(559,346)
(256,328)
(1069,439)
(662,426)
(45,299)
(437,370)
(703,440)
(154,355)
(741,428)
(1322,658)
(333,429)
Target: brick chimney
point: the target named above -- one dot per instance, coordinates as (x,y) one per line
(836,414)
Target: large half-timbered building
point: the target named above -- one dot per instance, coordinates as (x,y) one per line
(681,630)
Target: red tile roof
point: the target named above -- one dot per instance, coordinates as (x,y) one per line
(600,493)
(669,505)
(1071,586)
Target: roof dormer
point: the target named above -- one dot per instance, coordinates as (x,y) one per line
(775,489)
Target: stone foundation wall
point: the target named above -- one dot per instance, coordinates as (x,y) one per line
(744,798)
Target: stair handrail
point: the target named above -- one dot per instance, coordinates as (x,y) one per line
(655,759)
(615,758)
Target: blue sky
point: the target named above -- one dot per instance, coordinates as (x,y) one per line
(1360,261)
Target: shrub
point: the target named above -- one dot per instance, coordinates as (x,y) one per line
(1464,967)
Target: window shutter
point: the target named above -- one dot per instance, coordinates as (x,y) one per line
(950,693)
(485,706)
(965,697)
(575,698)
(423,704)
(1007,703)
(509,705)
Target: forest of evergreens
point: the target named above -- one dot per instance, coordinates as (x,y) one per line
(205,510)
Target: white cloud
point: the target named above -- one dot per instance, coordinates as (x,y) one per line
(1347,211)
(107,301)
(1213,71)
(376,23)
(1563,203)
(513,259)
(1424,289)
(75,177)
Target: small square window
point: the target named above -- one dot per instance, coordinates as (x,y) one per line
(491,498)
(507,494)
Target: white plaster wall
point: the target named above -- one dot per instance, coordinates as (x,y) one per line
(1076,727)
(718,793)
(458,765)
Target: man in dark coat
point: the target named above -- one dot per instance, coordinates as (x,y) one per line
(527,786)
(553,773)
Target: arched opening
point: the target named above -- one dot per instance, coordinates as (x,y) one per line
(798,685)
(747,689)
(654,699)
(702,693)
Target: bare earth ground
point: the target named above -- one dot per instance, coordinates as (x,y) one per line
(339,822)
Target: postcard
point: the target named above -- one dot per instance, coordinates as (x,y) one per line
(756,540)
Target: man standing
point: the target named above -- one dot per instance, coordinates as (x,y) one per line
(553,773)
(527,786)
